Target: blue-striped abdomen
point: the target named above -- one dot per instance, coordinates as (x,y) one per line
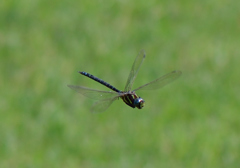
(100,81)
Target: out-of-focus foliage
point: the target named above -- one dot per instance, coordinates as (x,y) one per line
(193,122)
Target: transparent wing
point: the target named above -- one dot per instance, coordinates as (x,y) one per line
(102,105)
(135,68)
(94,94)
(162,81)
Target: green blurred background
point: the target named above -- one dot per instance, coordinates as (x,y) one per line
(193,122)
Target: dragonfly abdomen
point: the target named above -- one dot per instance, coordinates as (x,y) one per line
(100,81)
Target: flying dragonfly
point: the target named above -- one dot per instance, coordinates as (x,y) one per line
(106,98)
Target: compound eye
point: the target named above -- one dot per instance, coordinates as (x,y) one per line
(139,103)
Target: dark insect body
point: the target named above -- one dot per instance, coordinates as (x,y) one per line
(130,98)
(105,98)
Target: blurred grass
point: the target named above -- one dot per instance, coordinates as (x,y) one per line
(194,122)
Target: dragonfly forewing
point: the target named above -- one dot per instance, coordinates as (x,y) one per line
(160,82)
(94,94)
(102,105)
(135,68)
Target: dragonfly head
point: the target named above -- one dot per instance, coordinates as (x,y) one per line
(139,102)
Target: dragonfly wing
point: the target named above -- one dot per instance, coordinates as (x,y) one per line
(162,81)
(135,68)
(94,94)
(102,105)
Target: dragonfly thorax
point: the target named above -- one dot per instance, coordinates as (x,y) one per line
(139,102)
(132,99)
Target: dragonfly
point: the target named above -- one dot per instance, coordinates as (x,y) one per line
(105,98)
